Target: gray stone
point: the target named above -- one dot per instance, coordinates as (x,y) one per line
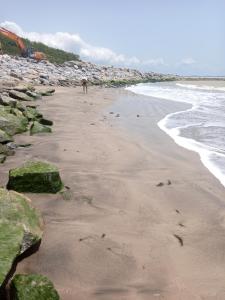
(20,96)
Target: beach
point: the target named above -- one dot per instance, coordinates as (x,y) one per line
(142,217)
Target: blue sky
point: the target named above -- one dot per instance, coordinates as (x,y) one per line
(169,36)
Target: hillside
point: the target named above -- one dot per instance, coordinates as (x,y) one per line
(53,55)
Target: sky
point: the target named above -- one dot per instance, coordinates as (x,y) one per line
(183,37)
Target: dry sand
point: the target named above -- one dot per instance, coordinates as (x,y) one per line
(116,235)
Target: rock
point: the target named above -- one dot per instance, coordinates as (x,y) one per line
(32,113)
(44,76)
(7,101)
(33,95)
(45,122)
(33,287)
(20,96)
(12,146)
(20,229)
(15,75)
(21,88)
(35,177)
(4,137)
(2,158)
(17,112)
(46,92)
(39,128)
(20,106)
(12,124)
(5,150)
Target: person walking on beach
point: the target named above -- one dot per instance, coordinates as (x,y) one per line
(84,84)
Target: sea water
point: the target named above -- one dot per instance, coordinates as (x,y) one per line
(200,128)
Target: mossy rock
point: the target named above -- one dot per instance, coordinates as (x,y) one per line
(32,113)
(46,92)
(35,177)
(32,287)
(33,95)
(12,124)
(20,96)
(20,106)
(20,229)
(4,137)
(36,128)
(2,158)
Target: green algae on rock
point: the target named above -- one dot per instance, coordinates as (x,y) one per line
(33,287)
(20,229)
(12,124)
(4,137)
(32,113)
(35,177)
(36,128)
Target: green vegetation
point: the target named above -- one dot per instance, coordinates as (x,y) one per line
(53,55)
(35,177)
(33,287)
(20,228)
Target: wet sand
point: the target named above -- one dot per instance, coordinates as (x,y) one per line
(143,218)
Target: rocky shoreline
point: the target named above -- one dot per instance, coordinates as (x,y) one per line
(21,225)
(14,70)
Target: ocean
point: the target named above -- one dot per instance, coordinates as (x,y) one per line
(201,127)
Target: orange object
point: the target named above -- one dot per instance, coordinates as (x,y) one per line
(25,52)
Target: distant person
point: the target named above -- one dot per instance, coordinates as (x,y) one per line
(84,84)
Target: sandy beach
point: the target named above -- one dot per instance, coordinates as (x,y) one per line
(142,217)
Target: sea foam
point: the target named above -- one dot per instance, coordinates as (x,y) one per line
(200,128)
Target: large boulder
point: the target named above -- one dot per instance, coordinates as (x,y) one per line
(12,124)
(20,229)
(35,177)
(36,127)
(32,287)
(20,96)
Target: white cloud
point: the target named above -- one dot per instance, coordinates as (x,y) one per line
(188,61)
(154,62)
(74,43)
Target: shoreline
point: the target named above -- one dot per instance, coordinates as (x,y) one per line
(204,151)
(118,234)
